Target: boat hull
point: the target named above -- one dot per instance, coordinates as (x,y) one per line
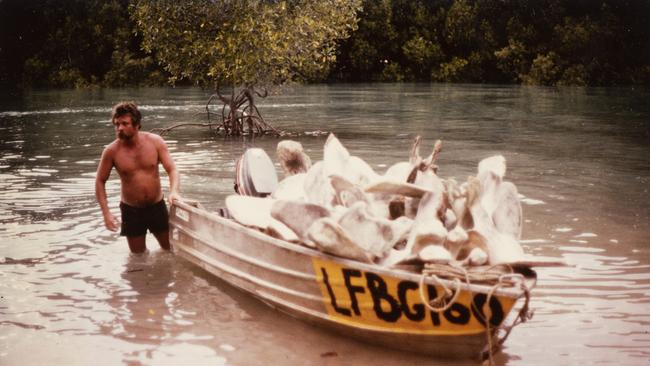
(365,301)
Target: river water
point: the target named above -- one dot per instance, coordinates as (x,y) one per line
(70,292)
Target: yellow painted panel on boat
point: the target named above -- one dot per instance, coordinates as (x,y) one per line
(372,301)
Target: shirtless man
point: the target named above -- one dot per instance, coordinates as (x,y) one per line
(135,155)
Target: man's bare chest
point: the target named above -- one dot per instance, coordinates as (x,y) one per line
(129,161)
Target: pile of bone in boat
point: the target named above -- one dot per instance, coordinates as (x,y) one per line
(341,206)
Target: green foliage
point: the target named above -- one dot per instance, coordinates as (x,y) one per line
(392,72)
(364,56)
(460,29)
(512,60)
(78,43)
(70,43)
(575,75)
(450,71)
(128,67)
(544,70)
(371,47)
(245,42)
(70,77)
(549,42)
(421,54)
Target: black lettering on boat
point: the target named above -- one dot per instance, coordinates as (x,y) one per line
(495,308)
(457,314)
(379,292)
(326,281)
(352,290)
(418,309)
(393,298)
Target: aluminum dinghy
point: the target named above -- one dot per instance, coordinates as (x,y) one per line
(384,306)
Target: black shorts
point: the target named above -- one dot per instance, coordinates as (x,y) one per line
(136,220)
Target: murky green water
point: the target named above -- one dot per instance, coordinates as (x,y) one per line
(70,292)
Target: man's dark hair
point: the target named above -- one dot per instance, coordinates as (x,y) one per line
(124,108)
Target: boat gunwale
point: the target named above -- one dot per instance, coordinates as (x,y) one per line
(246,258)
(253,279)
(512,292)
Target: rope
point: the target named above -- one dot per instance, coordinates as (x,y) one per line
(475,275)
(500,276)
(445,299)
(507,280)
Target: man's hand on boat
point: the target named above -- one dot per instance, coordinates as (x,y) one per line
(174,197)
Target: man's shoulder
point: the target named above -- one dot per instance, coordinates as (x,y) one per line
(153,138)
(112,147)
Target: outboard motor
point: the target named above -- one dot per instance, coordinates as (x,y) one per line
(255,174)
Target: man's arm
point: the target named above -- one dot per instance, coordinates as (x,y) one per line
(103,172)
(170,168)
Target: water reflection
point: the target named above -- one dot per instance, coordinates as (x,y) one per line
(146,313)
(142,303)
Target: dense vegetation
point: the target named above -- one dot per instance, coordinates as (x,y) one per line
(72,43)
(79,43)
(550,42)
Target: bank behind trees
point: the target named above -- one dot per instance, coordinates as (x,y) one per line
(75,43)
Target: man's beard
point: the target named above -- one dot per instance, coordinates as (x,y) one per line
(124,137)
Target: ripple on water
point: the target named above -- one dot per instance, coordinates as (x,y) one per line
(532,202)
(227,347)
(586,235)
(563,229)
(178,353)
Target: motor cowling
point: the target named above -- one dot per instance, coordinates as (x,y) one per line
(255,174)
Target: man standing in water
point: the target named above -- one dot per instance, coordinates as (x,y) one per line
(135,155)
